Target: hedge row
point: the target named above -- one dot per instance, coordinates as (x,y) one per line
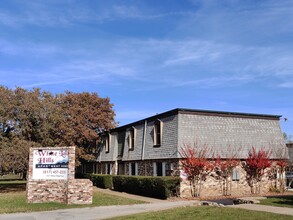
(155,187)
(101,180)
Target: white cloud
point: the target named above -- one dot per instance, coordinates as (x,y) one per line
(27,48)
(65,13)
(287,84)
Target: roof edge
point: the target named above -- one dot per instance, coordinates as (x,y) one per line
(199,111)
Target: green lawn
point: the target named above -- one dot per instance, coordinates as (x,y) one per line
(10,177)
(282,201)
(12,186)
(16,202)
(204,213)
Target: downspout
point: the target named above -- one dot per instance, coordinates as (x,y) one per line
(143,140)
(143,145)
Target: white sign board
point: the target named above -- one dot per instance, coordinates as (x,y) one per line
(50,164)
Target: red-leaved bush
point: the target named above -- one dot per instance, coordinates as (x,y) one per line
(255,165)
(196,166)
(223,169)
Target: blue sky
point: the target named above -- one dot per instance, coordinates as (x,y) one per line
(152,56)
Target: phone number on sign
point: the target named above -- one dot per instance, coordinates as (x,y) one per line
(54,171)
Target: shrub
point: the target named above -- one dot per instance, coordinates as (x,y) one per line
(81,176)
(156,187)
(102,181)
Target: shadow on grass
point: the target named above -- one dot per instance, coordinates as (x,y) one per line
(11,186)
(279,200)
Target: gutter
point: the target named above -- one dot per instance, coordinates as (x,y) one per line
(143,140)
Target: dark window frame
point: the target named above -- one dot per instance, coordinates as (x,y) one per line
(158,133)
(107,143)
(131,138)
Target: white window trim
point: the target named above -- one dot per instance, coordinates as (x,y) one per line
(154,169)
(163,168)
(136,169)
(106,169)
(236,174)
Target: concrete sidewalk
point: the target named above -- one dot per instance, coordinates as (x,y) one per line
(96,212)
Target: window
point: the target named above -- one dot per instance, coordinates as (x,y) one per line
(108,168)
(107,143)
(158,133)
(133,169)
(131,138)
(159,168)
(236,175)
(169,169)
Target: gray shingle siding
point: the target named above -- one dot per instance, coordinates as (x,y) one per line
(227,135)
(224,133)
(168,148)
(136,153)
(113,149)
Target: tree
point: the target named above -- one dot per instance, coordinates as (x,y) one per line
(6,106)
(38,118)
(255,165)
(85,115)
(196,166)
(288,138)
(223,169)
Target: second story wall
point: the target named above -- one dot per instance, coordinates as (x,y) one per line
(136,152)
(169,142)
(227,135)
(111,155)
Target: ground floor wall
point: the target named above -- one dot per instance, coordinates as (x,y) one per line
(237,184)
(136,168)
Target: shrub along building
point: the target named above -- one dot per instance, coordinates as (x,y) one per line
(151,147)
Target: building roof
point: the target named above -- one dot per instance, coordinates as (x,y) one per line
(200,112)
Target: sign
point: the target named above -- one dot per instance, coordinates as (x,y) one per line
(50,164)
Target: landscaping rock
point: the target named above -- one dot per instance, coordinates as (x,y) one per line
(207,203)
(247,200)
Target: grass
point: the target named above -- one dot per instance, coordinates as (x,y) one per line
(9,177)
(281,201)
(205,213)
(13,199)
(12,186)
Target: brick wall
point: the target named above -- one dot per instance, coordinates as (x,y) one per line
(212,187)
(80,191)
(70,191)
